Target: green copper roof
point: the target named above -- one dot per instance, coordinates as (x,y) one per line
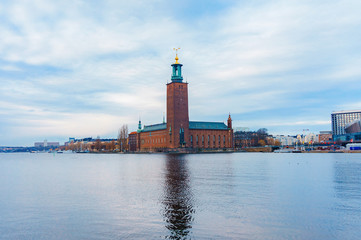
(177,72)
(192,125)
(155,127)
(208,125)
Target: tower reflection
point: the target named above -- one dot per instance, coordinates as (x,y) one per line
(178,207)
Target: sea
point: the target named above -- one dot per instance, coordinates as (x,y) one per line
(180,196)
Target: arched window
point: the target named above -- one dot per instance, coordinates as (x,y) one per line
(191,139)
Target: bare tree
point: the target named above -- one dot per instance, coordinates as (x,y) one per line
(261,143)
(123,138)
(270,141)
(98,144)
(262,131)
(110,146)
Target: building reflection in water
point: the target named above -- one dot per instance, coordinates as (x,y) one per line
(177,200)
(347,180)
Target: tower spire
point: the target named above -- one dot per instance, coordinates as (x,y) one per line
(177,68)
(139,125)
(229,121)
(176,55)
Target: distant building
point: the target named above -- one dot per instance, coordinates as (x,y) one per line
(286,140)
(132,141)
(325,136)
(46,144)
(346,126)
(91,144)
(241,129)
(310,138)
(243,139)
(341,119)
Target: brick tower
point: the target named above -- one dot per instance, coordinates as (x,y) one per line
(229,121)
(177,108)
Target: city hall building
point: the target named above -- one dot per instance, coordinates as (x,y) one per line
(178,132)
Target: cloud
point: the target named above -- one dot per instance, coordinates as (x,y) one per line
(37,122)
(10,68)
(279,60)
(349,106)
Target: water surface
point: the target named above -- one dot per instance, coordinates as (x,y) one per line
(196,196)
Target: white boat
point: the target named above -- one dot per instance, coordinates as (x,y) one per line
(283,150)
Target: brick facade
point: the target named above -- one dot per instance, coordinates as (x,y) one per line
(177,113)
(211,139)
(325,138)
(154,140)
(132,141)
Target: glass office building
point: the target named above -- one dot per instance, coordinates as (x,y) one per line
(341,119)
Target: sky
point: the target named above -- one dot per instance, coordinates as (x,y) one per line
(84,68)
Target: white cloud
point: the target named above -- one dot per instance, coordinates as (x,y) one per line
(10,68)
(349,106)
(111,59)
(32,121)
